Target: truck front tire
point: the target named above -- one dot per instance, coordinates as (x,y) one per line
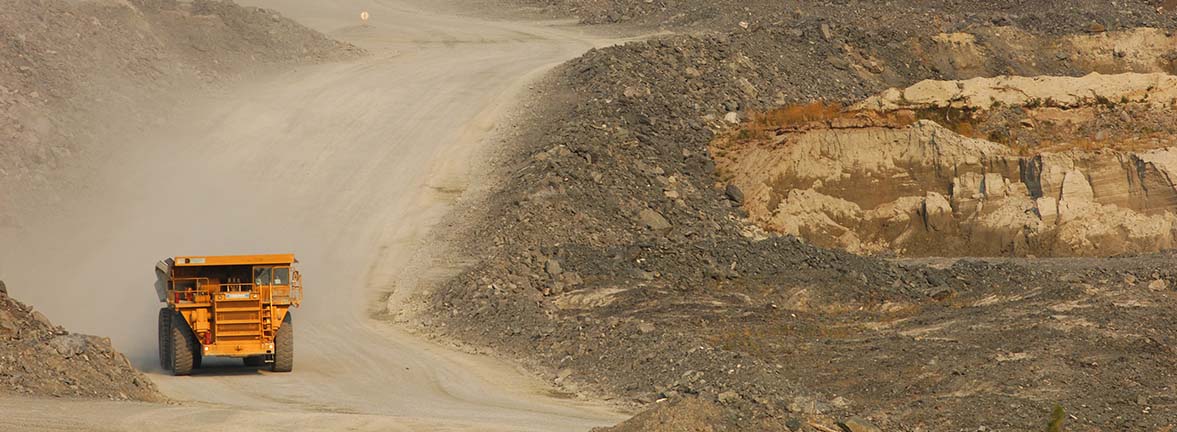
(165,335)
(183,342)
(284,346)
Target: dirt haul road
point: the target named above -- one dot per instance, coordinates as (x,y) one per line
(348,165)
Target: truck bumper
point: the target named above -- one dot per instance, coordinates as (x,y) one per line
(237,349)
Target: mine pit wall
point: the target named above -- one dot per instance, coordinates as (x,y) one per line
(1014,51)
(872,181)
(924,190)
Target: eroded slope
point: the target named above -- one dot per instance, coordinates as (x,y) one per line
(1048,166)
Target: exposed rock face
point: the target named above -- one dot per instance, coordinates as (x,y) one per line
(1063,92)
(919,188)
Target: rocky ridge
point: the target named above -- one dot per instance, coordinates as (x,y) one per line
(1055,16)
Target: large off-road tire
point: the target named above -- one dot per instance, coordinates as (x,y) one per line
(182,344)
(255,361)
(165,336)
(284,346)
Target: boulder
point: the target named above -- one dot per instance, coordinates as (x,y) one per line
(1076,197)
(967,191)
(734,193)
(728,397)
(859,424)
(840,402)
(41,318)
(552,267)
(69,345)
(1047,209)
(653,220)
(807,405)
(8,324)
(993,185)
(1076,188)
(571,279)
(937,212)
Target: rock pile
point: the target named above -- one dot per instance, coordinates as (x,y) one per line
(42,359)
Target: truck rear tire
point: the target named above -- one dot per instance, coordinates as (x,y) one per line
(182,343)
(165,334)
(284,346)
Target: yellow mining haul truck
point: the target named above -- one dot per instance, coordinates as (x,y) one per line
(227,306)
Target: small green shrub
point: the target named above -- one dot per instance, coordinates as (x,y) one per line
(1056,419)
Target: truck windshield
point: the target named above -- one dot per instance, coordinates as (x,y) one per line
(261,275)
(281,276)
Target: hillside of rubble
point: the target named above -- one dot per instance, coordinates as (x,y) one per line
(38,358)
(700,224)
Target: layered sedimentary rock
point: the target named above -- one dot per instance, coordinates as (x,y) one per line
(916,187)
